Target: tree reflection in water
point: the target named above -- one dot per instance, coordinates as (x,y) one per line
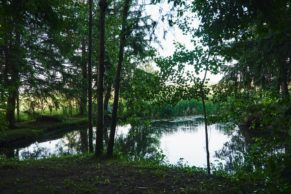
(252,153)
(141,142)
(35,152)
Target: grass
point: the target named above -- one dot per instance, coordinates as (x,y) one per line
(183,108)
(85,174)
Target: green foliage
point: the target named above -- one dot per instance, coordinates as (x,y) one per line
(139,91)
(253,36)
(180,72)
(145,96)
(3,123)
(260,149)
(264,169)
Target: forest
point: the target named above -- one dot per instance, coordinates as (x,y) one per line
(145,96)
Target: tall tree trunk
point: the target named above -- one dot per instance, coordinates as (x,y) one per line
(84,141)
(117,77)
(13,81)
(206,131)
(90,122)
(6,63)
(11,101)
(284,74)
(205,118)
(107,96)
(83,98)
(12,94)
(18,106)
(100,85)
(108,83)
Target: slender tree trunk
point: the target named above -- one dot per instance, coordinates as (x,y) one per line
(6,62)
(205,118)
(108,83)
(84,140)
(90,122)
(10,111)
(100,86)
(107,96)
(284,74)
(84,94)
(18,106)
(206,131)
(13,81)
(117,78)
(106,135)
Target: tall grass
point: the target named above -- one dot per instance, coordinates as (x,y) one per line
(183,108)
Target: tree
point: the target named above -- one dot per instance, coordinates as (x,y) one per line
(23,31)
(135,35)
(122,43)
(84,70)
(255,37)
(90,122)
(100,86)
(255,34)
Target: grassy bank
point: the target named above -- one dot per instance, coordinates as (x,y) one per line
(84,174)
(183,108)
(32,130)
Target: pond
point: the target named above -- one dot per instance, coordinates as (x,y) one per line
(175,141)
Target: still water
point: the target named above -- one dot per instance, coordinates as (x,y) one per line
(176,141)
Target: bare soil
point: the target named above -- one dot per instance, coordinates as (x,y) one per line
(88,175)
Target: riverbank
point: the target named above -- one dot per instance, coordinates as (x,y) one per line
(85,174)
(30,131)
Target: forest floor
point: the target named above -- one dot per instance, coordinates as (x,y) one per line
(84,174)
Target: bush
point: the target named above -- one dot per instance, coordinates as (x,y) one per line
(259,155)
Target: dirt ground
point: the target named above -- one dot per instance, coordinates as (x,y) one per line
(87,175)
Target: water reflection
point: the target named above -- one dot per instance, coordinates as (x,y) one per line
(171,140)
(252,152)
(70,143)
(139,142)
(190,145)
